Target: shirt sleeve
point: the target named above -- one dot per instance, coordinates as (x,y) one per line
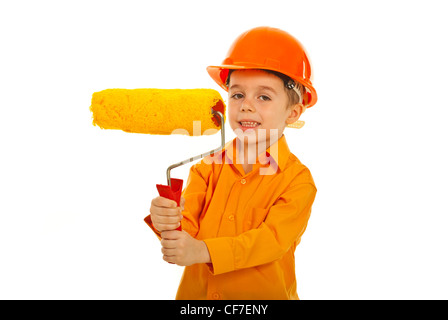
(285,223)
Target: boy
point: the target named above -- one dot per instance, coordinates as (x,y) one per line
(244,210)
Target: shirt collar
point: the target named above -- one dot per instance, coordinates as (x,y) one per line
(278,153)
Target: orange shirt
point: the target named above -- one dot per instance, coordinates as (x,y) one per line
(251,224)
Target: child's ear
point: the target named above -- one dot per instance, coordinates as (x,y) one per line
(295,113)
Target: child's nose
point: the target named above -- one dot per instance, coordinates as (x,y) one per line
(247,106)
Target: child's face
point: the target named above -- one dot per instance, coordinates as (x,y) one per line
(258,103)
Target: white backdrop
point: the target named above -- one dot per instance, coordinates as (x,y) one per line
(73,196)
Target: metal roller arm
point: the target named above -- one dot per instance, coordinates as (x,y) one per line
(223,138)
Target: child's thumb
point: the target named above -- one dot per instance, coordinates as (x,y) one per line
(182,202)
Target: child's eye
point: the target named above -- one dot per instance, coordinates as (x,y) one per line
(237,96)
(264,98)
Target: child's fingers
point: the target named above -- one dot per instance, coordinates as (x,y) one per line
(168,243)
(169,252)
(166,219)
(163,211)
(163,202)
(171,234)
(162,227)
(170,259)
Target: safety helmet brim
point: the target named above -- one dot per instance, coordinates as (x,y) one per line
(220,73)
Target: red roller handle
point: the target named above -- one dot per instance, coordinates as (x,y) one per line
(173,193)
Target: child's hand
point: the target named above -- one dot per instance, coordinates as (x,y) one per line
(165,214)
(182,249)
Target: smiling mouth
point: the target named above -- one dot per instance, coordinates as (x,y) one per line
(249,124)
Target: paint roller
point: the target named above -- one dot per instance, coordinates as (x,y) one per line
(162,112)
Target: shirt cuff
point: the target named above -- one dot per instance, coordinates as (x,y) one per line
(221,255)
(149,223)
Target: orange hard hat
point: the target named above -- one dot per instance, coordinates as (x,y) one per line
(268,49)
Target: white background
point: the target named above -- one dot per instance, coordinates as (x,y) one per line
(73,196)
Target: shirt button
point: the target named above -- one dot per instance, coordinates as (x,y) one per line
(231,217)
(216,296)
(243,181)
